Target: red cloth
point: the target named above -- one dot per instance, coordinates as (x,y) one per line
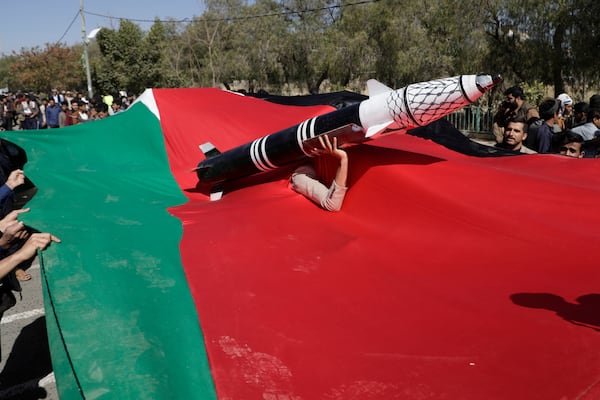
(444,275)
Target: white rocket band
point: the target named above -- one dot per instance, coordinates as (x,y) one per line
(259,155)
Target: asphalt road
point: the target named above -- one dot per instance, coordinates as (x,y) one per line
(26,369)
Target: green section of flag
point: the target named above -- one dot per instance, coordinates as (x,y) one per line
(126,317)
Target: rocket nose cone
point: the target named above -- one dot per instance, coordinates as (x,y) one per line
(486,82)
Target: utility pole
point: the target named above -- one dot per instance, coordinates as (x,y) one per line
(85,51)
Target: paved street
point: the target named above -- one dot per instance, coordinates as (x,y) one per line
(26,370)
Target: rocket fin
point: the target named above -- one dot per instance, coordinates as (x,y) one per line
(375,129)
(375,87)
(216,193)
(209,150)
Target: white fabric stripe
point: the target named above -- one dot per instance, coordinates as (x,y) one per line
(263,152)
(304,129)
(7,319)
(149,101)
(253,155)
(299,136)
(259,146)
(311,133)
(256,155)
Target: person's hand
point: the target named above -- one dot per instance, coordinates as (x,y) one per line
(332,148)
(37,241)
(16,178)
(14,231)
(11,217)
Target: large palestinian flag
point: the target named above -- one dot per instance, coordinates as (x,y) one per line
(445,275)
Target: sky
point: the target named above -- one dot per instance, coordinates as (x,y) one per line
(37,22)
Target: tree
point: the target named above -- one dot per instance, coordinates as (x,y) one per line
(7,79)
(256,42)
(298,45)
(131,60)
(155,70)
(205,42)
(178,58)
(110,70)
(222,60)
(582,71)
(551,42)
(354,56)
(55,66)
(304,55)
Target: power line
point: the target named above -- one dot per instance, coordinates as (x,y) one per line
(68,28)
(276,14)
(248,17)
(133,19)
(294,12)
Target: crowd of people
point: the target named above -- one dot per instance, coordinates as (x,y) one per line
(556,125)
(26,111)
(19,243)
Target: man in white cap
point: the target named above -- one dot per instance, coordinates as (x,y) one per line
(565,112)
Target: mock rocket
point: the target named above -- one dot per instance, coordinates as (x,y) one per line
(385,111)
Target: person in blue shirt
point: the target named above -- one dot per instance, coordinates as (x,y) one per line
(52,111)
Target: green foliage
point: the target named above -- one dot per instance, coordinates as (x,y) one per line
(535,92)
(6,78)
(257,44)
(122,65)
(40,69)
(132,60)
(312,44)
(551,42)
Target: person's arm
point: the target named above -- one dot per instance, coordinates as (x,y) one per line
(304,179)
(11,217)
(501,116)
(34,112)
(13,233)
(12,229)
(16,178)
(37,241)
(342,172)
(5,192)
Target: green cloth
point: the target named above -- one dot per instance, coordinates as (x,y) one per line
(126,317)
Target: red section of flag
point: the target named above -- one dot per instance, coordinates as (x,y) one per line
(444,276)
